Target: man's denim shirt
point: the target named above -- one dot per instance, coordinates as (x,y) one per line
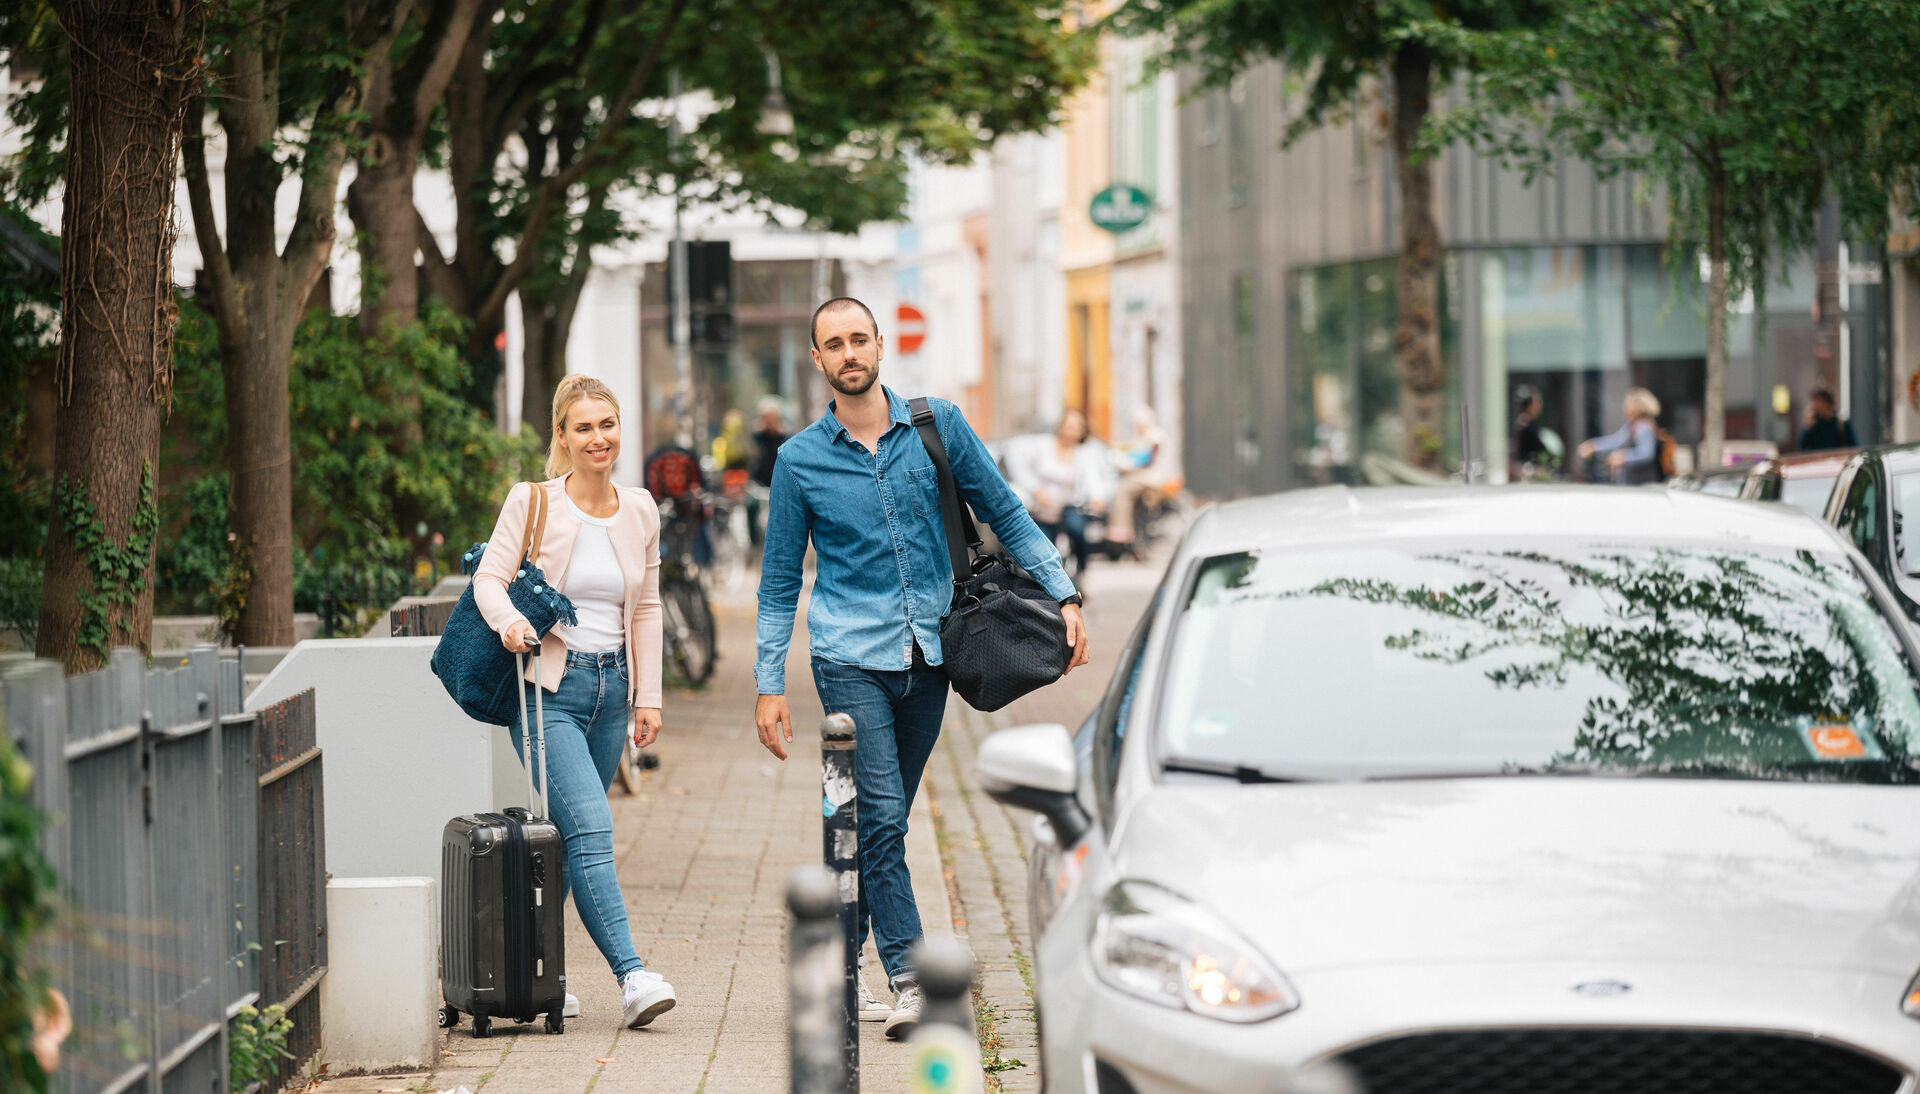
(882,578)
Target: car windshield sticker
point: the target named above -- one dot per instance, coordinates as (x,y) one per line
(1838,741)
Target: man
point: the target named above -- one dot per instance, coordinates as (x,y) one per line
(1824,427)
(859,484)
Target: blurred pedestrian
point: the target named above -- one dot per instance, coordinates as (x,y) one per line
(1633,450)
(770,432)
(1143,473)
(1065,481)
(732,449)
(1532,460)
(1825,428)
(862,488)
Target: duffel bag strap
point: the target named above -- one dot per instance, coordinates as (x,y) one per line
(963,539)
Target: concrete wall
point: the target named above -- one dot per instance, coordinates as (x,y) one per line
(379,1003)
(400,757)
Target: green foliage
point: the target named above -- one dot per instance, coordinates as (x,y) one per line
(119,572)
(1330,47)
(353,487)
(29,884)
(29,303)
(256,1043)
(1729,101)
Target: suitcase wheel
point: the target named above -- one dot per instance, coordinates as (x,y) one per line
(449,1018)
(482,1026)
(555,1023)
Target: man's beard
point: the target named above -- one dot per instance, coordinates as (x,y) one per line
(868,377)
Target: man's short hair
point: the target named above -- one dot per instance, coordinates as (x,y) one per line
(813,328)
(1822,395)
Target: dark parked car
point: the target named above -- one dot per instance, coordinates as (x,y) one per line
(1803,480)
(1876,504)
(1720,482)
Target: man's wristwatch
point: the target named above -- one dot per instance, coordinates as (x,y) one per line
(1073,600)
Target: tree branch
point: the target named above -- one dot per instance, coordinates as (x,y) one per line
(521,89)
(553,189)
(310,243)
(442,282)
(206,230)
(418,85)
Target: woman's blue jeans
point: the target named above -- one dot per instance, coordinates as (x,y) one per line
(586,722)
(896,720)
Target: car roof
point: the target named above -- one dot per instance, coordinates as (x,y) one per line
(1582,514)
(1809,465)
(1898,457)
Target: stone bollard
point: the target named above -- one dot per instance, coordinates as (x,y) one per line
(814,985)
(840,842)
(946,1054)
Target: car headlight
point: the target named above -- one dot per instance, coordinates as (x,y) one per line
(1156,945)
(1910,1003)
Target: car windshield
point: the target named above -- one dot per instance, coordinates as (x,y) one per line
(1725,486)
(1809,495)
(1412,661)
(1906,522)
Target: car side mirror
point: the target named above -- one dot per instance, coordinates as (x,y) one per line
(1032,767)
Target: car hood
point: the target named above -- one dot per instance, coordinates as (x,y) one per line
(1330,875)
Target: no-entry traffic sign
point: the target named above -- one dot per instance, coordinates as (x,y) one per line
(910,329)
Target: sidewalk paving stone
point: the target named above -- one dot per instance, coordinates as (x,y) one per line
(704,851)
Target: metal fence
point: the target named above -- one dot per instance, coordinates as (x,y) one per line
(188,846)
(426,618)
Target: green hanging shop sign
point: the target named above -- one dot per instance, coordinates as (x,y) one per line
(1120,208)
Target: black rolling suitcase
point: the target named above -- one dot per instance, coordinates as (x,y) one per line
(502,941)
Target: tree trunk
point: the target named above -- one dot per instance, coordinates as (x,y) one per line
(380,201)
(132,74)
(260,458)
(1714,427)
(548,326)
(1826,300)
(1416,333)
(400,101)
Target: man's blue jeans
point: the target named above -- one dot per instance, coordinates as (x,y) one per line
(896,720)
(587,721)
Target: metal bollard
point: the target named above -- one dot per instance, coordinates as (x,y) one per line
(840,840)
(814,983)
(946,1054)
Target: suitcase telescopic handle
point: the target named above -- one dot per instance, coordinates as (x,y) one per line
(539,730)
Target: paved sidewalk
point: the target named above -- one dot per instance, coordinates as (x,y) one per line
(704,853)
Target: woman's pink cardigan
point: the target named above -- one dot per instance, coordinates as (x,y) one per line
(636,543)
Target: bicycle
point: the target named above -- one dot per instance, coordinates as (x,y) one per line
(686,613)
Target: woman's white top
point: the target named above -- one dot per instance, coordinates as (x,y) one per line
(596,586)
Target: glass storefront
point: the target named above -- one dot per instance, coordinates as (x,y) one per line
(1578,325)
(1348,423)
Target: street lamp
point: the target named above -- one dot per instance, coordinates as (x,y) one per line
(775,119)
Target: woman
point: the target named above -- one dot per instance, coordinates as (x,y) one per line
(1633,450)
(1062,482)
(601,547)
(1528,452)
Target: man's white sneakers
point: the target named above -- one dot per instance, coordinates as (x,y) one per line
(571,1009)
(645,996)
(907,1007)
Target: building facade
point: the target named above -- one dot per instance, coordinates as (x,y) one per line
(1563,287)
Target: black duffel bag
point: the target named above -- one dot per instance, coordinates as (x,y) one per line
(1003,635)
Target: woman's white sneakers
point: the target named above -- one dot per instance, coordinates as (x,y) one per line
(571,1008)
(645,996)
(871,1009)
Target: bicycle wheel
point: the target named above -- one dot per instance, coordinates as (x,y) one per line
(688,620)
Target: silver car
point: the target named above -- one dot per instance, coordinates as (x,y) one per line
(1487,790)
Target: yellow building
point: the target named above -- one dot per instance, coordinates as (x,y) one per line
(1086,252)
